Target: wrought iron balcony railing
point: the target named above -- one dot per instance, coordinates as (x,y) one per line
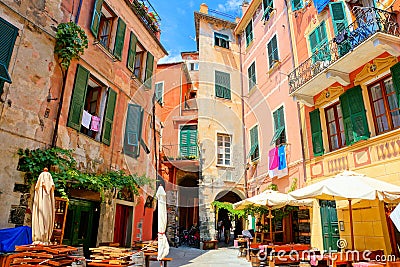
(368,21)
(147,14)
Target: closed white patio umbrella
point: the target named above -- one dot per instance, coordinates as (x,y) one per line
(163,246)
(350,185)
(43,211)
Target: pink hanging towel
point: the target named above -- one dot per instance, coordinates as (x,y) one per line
(95,124)
(273,158)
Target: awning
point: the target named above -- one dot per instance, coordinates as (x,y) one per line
(222,36)
(4,75)
(320,4)
(277,135)
(252,150)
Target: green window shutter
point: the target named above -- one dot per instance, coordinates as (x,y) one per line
(188,141)
(297,4)
(78,98)
(338,15)
(249,33)
(316,133)
(222,85)
(109,116)
(251,72)
(272,51)
(132,52)
(94,27)
(395,70)
(133,130)
(119,39)
(159,91)
(254,146)
(268,7)
(8,35)
(354,115)
(279,126)
(149,70)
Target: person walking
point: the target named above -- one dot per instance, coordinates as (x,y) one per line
(227,231)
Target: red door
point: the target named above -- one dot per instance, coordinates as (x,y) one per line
(123,225)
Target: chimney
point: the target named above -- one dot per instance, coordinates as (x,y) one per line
(204,8)
(245,5)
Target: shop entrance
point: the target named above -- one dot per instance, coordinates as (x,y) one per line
(330,226)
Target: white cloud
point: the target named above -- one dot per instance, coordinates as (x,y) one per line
(230,5)
(170,58)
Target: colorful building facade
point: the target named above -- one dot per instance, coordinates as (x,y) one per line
(347,79)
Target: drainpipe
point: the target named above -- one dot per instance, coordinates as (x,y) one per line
(60,104)
(297,103)
(243,122)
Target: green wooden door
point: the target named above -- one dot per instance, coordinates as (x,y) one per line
(330,227)
(80,226)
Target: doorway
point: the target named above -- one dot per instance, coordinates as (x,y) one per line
(330,225)
(123,225)
(81,224)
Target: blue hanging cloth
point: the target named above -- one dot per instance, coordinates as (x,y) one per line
(282,157)
(320,4)
(11,237)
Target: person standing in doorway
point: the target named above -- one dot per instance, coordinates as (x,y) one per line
(227,231)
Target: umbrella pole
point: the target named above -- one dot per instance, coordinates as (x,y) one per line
(351,225)
(270,225)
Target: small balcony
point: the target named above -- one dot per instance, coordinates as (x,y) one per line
(182,157)
(148,15)
(189,107)
(373,32)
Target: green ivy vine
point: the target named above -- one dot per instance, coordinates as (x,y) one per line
(65,175)
(228,206)
(71,41)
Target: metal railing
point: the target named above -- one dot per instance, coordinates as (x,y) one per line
(178,152)
(147,14)
(368,21)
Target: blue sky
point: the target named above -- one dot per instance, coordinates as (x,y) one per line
(177,22)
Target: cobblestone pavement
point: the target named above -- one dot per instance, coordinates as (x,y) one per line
(191,257)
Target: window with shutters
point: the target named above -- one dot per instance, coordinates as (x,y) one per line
(159,92)
(8,35)
(249,33)
(188,142)
(251,72)
(385,105)
(316,132)
(254,152)
(334,124)
(108,29)
(354,115)
(222,85)
(133,130)
(318,44)
(193,66)
(139,64)
(338,16)
(273,55)
(221,40)
(297,4)
(268,8)
(279,127)
(92,107)
(148,75)
(224,149)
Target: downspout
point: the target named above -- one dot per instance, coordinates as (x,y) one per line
(78,13)
(60,104)
(155,134)
(243,122)
(180,89)
(297,103)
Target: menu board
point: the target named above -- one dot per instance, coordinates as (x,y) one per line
(303,214)
(304,227)
(278,226)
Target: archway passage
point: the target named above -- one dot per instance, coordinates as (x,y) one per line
(188,201)
(227,225)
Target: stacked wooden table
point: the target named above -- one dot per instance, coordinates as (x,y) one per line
(45,255)
(109,256)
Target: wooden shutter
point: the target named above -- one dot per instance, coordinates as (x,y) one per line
(297,4)
(8,35)
(109,116)
(316,133)
(338,15)
(249,33)
(133,130)
(222,84)
(395,70)
(94,27)
(188,141)
(119,39)
(149,70)
(78,98)
(159,90)
(132,52)
(354,117)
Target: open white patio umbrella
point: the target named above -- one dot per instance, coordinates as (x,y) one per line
(272,200)
(43,209)
(350,185)
(163,246)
